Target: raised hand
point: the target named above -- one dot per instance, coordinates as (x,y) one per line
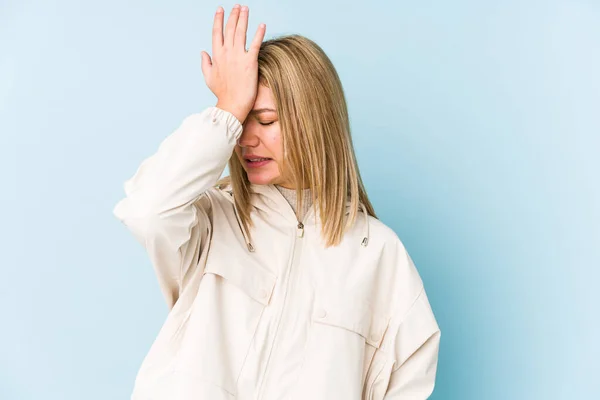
(232,73)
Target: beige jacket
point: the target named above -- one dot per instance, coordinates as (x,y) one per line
(280,316)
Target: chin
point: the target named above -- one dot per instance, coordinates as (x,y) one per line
(261,179)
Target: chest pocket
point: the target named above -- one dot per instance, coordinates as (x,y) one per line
(344,334)
(254,281)
(231,298)
(352,315)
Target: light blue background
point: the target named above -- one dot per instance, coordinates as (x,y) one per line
(476,124)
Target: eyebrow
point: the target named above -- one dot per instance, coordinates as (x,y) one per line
(262,110)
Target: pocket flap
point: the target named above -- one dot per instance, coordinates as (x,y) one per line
(252,279)
(351,314)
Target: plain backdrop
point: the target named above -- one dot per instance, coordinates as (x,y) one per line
(477,129)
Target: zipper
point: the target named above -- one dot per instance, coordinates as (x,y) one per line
(300,230)
(295,257)
(292,266)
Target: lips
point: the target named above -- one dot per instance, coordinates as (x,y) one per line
(254,161)
(257,159)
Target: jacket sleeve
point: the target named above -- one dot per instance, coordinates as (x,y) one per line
(417,342)
(163,205)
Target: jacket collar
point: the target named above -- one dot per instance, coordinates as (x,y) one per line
(268,199)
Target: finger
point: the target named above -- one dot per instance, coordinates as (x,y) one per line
(231,25)
(257,41)
(242,27)
(217,33)
(206,64)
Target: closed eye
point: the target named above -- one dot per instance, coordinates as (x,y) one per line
(269,123)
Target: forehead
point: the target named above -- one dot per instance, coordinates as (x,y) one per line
(264,98)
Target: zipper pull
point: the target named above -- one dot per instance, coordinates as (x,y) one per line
(300,230)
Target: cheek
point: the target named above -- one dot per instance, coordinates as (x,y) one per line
(274,144)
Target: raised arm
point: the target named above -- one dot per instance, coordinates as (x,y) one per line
(164,207)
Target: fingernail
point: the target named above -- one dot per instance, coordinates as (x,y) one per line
(236,6)
(220,9)
(244,8)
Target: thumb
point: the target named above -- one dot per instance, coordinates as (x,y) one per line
(206,64)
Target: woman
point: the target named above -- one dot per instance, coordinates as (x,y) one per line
(281,282)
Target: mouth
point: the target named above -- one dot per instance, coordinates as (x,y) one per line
(255,162)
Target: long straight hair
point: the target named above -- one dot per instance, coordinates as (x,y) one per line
(317,145)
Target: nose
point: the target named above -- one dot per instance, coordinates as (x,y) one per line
(248,138)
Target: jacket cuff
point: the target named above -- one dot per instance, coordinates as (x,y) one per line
(220,116)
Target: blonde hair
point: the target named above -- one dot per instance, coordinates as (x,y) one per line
(317,145)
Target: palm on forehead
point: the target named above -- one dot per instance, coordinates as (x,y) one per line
(232,71)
